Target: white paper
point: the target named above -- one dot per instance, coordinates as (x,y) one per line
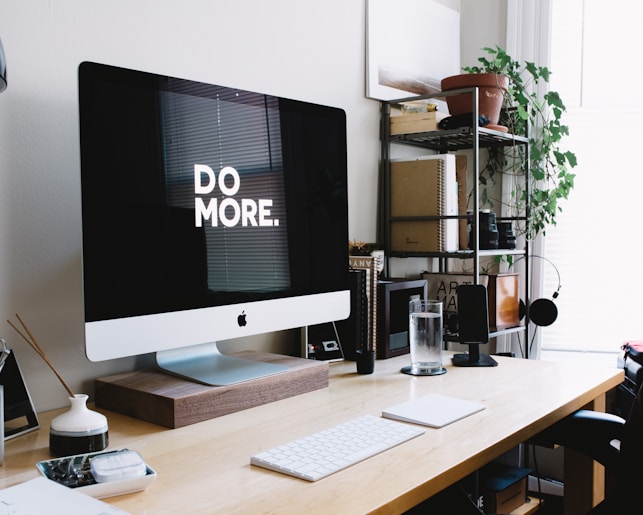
(41,495)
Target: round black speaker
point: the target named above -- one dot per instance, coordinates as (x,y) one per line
(543,312)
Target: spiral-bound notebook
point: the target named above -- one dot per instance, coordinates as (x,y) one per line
(425,186)
(433,410)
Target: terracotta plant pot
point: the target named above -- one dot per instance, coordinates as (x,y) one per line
(491,89)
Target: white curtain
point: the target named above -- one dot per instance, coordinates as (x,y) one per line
(528,36)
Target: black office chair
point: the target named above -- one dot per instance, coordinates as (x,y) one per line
(598,436)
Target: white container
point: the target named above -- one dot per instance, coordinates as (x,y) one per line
(82,479)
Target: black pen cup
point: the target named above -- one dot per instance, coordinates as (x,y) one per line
(365,360)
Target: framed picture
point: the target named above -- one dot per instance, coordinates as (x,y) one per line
(393,318)
(411,45)
(19,413)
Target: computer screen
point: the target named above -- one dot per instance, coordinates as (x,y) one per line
(208,213)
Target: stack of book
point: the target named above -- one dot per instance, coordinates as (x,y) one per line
(372,266)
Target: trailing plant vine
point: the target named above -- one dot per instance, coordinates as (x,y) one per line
(539,118)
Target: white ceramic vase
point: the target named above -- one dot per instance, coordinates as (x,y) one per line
(79,430)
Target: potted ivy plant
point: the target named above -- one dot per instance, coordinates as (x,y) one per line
(526,113)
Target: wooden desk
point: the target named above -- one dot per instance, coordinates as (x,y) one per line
(205,467)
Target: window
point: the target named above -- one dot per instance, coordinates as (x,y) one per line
(597,242)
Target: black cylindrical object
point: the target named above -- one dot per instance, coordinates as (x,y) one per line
(487,231)
(506,235)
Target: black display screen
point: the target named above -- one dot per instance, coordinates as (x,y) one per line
(198,195)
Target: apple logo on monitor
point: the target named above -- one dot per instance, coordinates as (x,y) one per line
(241,319)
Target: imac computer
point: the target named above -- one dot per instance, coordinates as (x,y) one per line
(208,213)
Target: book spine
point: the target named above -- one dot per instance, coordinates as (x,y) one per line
(369,264)
(442,205)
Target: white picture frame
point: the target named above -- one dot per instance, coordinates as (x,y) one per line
(411,45)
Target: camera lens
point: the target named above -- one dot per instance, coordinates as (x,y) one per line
(488,231)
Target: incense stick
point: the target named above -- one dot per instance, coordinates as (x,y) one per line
(33,343)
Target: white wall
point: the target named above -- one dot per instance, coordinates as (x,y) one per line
(301,49)
(483,23)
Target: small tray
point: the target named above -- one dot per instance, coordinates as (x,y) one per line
(75,472)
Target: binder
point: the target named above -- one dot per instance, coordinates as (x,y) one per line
(425,186)
(353,332)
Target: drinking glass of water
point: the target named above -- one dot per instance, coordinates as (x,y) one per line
(425,338)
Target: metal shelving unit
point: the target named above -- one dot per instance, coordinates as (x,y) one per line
(471,138)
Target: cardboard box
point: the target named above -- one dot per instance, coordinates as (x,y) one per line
(504,488)
(503,301)
(508,499)
(416,122)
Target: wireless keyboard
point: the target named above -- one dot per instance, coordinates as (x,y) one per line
(321,454)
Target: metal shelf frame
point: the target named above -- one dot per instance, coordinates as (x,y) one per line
(471,138)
